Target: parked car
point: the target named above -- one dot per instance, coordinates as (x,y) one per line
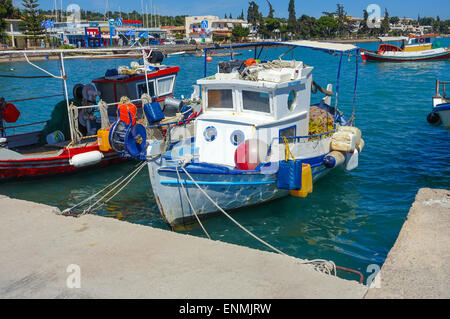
(192,41)
(181,42)
(169,42)
(154,42)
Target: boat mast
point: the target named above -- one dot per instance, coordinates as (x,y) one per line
(66,95)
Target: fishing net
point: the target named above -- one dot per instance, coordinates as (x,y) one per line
(320,121)
(59,121)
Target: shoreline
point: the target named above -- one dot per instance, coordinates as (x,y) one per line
(17,57)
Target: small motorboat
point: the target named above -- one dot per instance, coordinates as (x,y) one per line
(441,107)
(75,137)
(410,48)
(258,138)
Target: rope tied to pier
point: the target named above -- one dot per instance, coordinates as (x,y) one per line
(321,265)
(120,183)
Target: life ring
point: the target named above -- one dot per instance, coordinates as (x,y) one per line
(421,40)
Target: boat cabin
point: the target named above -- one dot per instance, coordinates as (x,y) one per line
(262,101)
(406,44)
(130,82)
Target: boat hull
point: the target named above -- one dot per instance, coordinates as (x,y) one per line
(444,113)
(229,189)
(373,56)
(32,167)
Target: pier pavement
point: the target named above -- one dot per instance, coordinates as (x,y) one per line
(45,255)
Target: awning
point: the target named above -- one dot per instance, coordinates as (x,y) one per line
(387,39)
(327,46)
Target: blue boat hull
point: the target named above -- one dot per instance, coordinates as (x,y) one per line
(230,189)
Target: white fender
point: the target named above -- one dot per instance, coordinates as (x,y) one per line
(86,159)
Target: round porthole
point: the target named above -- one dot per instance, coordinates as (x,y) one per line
(210,133)
(292,100)
(237,137)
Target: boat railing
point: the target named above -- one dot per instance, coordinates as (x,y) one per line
(298,139)
(438,86)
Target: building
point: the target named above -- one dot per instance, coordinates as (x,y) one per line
(204,28)
(172,31)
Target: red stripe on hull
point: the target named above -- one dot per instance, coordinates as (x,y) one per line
(367,57)
(46,166)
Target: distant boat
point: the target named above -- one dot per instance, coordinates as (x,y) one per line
(412,48)
(175,54)
(202,54)
(441,107)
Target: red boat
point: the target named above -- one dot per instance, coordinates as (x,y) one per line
(411,48)
(85,143)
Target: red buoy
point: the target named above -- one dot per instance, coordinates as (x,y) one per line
(10,113)
(250,154)
(209,59)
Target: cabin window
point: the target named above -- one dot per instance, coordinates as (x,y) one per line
(165,85)
(142,88)
(256,101)
(292,100)
(288,132)
(220,99)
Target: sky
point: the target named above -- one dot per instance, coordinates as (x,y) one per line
(405,8)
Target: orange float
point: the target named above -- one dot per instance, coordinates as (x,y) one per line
(124,113)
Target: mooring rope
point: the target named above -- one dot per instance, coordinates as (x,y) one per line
(124,184)
(192,206)
(321,265)
(119,181)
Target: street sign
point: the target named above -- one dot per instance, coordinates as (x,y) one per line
(119,22)
(143,34)
(205,24)
(47,24)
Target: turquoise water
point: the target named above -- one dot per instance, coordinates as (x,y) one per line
(352,218)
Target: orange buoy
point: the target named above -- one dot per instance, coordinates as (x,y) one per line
(124,113)
(250,62)
(209,59)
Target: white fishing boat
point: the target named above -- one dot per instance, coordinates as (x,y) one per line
(257,139)
(441,107)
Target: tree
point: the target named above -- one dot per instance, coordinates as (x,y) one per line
(385,28)
(253,15)
(226,16)
(32,19)
(326,27)
(241,17)
(271,10)
(394,20)
(292,20)
(306,26)
(363,28)
(7,10)
(239,32)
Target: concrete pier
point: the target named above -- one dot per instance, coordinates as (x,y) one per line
(122,260)
(418,266)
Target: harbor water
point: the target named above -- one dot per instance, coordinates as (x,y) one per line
(352,218)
